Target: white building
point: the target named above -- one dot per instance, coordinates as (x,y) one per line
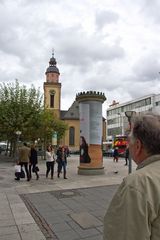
(117,122)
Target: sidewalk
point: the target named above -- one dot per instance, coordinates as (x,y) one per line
(56,209)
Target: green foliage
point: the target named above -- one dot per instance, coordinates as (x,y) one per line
(19,109)
(22,110)
(49,123)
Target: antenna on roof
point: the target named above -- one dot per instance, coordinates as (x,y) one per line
(52,52)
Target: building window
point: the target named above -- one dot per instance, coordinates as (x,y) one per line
(52,94)
(71,135)
(51,101)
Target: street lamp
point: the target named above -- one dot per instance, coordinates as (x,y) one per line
(18,133)
(129,115)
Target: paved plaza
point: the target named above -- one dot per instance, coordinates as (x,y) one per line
(57,209)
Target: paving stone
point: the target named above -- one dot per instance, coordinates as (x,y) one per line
(60,227)
(68,235)
(34,235)
(83,232)
(8,230)
(14,198)
(24,228)
(97,237)
(7,222)
(86,220)
(14,236)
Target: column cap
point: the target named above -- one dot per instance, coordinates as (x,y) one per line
(90,95)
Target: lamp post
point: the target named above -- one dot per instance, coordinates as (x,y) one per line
(129,115)
(18,133)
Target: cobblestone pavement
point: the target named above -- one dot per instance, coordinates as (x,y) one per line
(71,214)
(56,209)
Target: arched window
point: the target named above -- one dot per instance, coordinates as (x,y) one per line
(71,135)
(51,101)
(52,94)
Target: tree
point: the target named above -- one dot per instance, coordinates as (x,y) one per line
(49,124)
(22,110)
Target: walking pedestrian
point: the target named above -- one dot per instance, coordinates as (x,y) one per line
(33,162)
(50,161)
(24,155)
(62,161)
(126,155)
(134,212)
(115,155)
(115,159)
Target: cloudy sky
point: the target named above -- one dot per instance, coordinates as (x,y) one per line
(111,46)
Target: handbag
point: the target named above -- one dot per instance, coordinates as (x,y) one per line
(35,169)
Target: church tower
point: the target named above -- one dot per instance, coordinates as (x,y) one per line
(52,88)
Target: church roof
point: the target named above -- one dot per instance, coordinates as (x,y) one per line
(72,113)
(52,69)
(52,65)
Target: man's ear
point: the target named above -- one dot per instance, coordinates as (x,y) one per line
(138,147)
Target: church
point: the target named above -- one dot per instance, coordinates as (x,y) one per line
(52,101)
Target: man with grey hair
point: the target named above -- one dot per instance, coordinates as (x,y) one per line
(134,212)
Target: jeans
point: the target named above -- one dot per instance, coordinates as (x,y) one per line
(25,164)
(50,167)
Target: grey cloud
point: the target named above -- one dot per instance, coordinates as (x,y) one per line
(79,49)
(106,17)
(147,68)
(151,10)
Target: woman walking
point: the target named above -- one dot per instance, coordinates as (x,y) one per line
(33,162)
(50,161)
(62,161)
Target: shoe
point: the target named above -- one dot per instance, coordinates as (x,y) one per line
(65,178)
(28,179)
(116,172)
(17,179)
(37,177)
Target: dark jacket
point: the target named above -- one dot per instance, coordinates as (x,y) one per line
(33,156)
(115,154)
(84,156)
(59,156)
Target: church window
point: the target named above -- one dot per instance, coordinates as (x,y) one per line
(71,135)
(51,101)
(52,94)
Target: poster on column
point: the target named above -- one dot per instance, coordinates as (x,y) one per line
(84,121)
(84,132)
(95,122)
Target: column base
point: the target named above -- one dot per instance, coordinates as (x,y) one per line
(90,171)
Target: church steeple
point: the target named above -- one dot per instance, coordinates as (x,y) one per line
(52,72)
(52,87)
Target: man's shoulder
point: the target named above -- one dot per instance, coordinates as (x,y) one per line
(25,148)
(142,178)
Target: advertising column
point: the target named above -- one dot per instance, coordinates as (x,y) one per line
(90,109)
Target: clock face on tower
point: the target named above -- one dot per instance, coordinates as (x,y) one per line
(52,92)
